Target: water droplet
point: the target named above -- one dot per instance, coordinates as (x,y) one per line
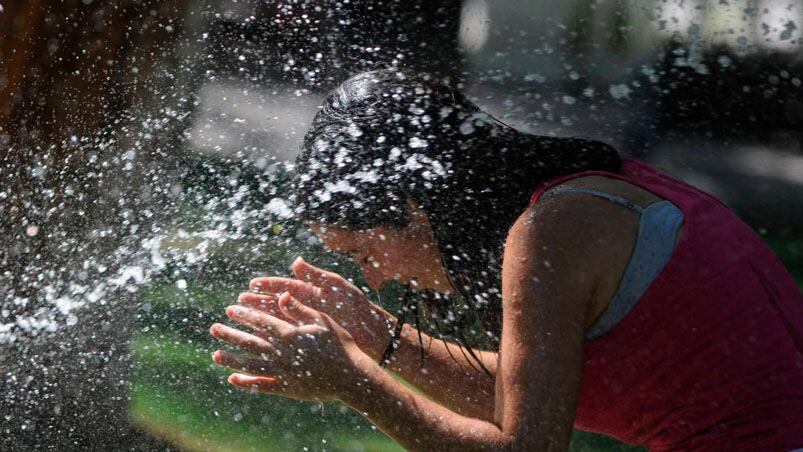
(619,91)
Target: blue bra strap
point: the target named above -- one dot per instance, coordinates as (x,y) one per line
(613,198)
(655,243)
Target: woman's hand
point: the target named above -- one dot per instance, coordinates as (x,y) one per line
(309,357)
(330,294)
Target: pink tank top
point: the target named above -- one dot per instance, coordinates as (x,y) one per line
(711,356)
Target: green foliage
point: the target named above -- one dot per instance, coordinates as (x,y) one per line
(179,394)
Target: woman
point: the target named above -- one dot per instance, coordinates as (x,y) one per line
(613,297)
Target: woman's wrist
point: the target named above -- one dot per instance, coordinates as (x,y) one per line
(381,333)
(350,383)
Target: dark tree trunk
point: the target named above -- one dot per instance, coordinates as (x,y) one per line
(77,81)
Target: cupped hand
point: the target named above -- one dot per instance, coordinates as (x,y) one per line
(306,356)
(328,293)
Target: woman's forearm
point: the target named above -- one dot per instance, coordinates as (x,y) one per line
(414,421)
(449,376)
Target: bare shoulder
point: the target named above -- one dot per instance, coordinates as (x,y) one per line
(555,240)
(567,219)
(546,291)
(574,241)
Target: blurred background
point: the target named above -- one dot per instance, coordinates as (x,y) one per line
(146,148)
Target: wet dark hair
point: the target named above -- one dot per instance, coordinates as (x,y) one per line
(383,136)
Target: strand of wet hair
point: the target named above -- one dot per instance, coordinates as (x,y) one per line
(408,300)
(461,339)
(417,319)
(462,348)
(441,336)
(409,303)
(446,344)
(470,351)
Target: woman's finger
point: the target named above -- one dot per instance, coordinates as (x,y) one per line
(259,320)
(319,277)
(293,309)
(301,290)
(261,384)
(248,342)
(251,366)
(265,303)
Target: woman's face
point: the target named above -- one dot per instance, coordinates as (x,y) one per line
(408,255)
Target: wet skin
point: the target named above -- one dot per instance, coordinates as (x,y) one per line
(320,338)
(409,255)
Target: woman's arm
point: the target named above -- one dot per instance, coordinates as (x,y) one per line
(414,421)
(548,279)
(449,376)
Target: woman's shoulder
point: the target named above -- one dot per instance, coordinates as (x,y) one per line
(555,244)
(586,202)
(588,234)
(573,221)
